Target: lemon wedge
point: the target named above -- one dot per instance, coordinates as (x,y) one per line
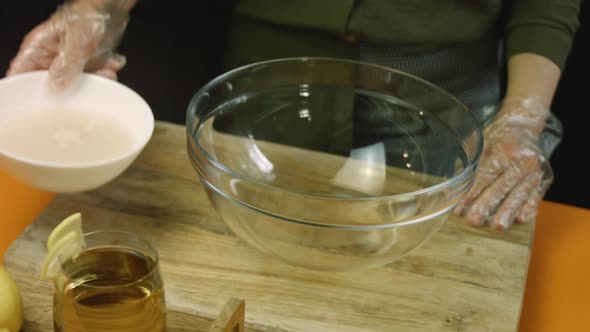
(72,223)
(65,241)
(70,245)
(11,304)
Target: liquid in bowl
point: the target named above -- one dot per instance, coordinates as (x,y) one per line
(64,136)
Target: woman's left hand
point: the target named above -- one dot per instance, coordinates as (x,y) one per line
(514,173)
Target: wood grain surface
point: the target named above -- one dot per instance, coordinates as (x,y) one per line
(462,279)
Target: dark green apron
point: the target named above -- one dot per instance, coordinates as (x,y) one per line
(469,71)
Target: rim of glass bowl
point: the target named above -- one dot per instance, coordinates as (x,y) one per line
(451,182)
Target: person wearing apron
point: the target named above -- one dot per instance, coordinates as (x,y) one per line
(459,45)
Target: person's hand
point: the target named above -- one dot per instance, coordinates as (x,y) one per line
(513,174)
(80,36)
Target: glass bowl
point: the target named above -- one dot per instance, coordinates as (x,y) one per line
(331,164)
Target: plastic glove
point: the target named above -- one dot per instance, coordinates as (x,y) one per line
(80,36)
(514,173)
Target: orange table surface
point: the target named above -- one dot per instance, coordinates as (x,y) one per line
(557,289)
(19,206)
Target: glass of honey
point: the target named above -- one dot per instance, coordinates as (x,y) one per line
(113,284)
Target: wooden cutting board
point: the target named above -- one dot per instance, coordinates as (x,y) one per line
(462,279)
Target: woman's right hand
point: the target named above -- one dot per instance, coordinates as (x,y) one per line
(80,36)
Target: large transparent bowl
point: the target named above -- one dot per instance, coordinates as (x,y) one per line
(331,164)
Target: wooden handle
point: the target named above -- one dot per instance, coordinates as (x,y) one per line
(231,317)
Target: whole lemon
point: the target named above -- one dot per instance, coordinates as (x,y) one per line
(11,304)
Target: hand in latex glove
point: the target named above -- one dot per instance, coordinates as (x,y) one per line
(513,174)
(80,36)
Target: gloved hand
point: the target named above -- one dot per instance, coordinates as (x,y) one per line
(80,36)
(514,173)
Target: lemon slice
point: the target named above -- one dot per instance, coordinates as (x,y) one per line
(68,246)
(72,223)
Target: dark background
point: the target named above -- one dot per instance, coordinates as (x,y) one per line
(174,47)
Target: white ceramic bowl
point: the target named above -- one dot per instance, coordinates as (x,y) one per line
(29,90)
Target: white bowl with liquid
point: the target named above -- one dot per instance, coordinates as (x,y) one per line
(71,142)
